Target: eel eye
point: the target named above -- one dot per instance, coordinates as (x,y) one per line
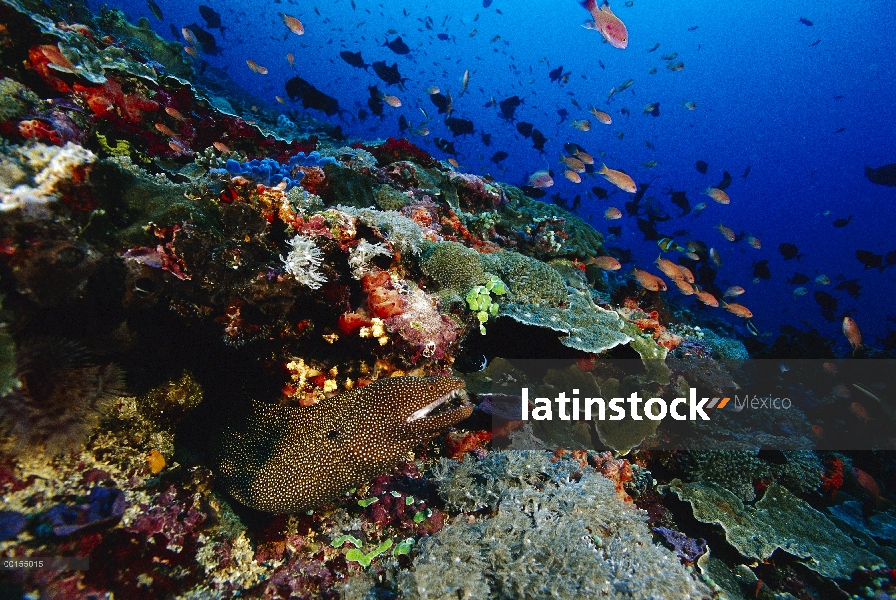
(431,387)
(333,434)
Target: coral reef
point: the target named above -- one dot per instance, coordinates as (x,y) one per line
(778,520)
(559,532)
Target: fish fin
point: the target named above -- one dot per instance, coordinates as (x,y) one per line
(590,25)
(589,5)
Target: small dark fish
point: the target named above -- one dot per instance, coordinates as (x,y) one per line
(459,126)
(799,279)
(841,130)
(402,123)
(572,148)
(388,74)
(154,8)
(443,36)
(533,192)
(702,166)
(806,21)
(556,74)
(648,228)
(870,260)
(615,230)
(300,90)
(826,301)
(538,140)
(499,156)
(486,139)
(726,181)
(600,192)
(397,46)
(842,222)
(375,102)
(746,171)
(562,113)
(508,107)
(851,286)
(211,17)
(815,43)
(442,102)
(890,259)
(761,270)
(486,3)
(354,59)
(654,109)
(524,128)
(362,114)
(885,175)
(680,200)
(789,251)
(445,146)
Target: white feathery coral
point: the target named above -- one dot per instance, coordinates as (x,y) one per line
(303,262)
(360,256)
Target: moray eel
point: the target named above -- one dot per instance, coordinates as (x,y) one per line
(288,459)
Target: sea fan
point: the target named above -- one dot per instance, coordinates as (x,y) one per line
(62,396)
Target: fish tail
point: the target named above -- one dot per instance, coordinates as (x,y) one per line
(589,5)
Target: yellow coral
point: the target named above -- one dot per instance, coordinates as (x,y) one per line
(122,147)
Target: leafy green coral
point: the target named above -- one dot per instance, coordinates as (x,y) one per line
(479,300)
(738,469)
(388,198)
(778,520)
(552,536)
(168,54)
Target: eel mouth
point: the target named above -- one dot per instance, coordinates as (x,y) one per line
(454,401)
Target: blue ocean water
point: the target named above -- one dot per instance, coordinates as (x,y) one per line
(804,107)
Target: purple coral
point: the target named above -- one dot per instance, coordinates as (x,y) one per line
(688,549)
(104,508)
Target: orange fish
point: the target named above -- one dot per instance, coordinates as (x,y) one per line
(734,290)
(739,310)
(649,281)
(191,51)
(867,482)
(221,147)
(584,157)
(165,129)
(707,298)
(754,242)
(612,213)
(602,116)
(606,23)
(177,147)
(669,268)
(290,58)
(573,176)
(280,99)
(188,35)
(859,411)
(453,162)
(257,68)
(830,368)
(718,195)
(392,101)
(841,391)
(174,113)
(818,431)
(618,178)
(581,124)
(294,25)
(715,257)
(684,287)
(727,232)
(852,332)
(574,164)
(605,263)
